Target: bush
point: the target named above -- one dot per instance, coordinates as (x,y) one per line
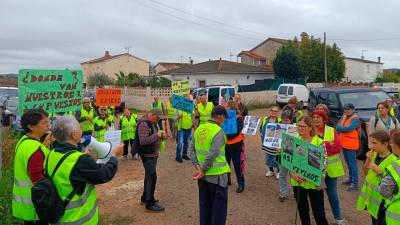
(99,80)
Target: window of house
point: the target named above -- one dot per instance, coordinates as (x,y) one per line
(263,62)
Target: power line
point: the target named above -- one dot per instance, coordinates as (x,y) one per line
(365,40)
(205,18)
(194,22)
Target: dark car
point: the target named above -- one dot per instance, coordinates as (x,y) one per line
(392,92)
(364,99)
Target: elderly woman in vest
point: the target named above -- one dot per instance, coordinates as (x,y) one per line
(334,167)
(304,190)
(234,146)
(127,123)
(30,155)
(348,129)
(390,186)
(382,120)
(101,124)
(378,159)
(393,111)
(292,106)
(78,173)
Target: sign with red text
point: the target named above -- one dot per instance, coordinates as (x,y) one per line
(51,90)
(108,97)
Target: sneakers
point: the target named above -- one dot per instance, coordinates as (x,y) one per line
(277,176)
(338,222)
(155,208)
(283,198)
(185,157)
(269,174)
(353,187)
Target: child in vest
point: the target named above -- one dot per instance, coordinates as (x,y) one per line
(127,124)
(390,186)
(378,159)
(270,153)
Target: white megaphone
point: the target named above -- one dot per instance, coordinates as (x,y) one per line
(103,150)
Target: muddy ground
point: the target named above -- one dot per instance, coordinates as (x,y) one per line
(257,205)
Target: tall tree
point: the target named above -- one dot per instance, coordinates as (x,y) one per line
(286,64)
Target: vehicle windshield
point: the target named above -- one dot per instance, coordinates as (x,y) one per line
(13,102)
(230,93)
(282,90)
(9,92)
(363,100)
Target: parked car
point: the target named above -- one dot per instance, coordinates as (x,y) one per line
(286,91)
(364,100)
(10,111)
(9,91)
(392,92)
(215,93)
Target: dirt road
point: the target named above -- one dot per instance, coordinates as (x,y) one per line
(257,205)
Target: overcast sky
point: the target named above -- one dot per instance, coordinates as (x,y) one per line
(61,34)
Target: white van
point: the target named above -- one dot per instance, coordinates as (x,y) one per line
(215,93)
(286,91)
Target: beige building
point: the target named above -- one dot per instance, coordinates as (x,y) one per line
(264,53)
(110,65)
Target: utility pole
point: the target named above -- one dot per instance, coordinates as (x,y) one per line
(127,50)
(325,61)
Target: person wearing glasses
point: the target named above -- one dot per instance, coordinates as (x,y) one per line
(85,117)
(392,110)
(101,124)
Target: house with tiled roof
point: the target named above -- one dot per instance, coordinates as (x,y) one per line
(112,64)
(219,72)
(262,54)
(362,70)
(164,66)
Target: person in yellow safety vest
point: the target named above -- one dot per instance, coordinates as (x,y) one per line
(334,167)
(79,173)
(184,122)
(292,106)
(30,155)
(389,187)
(158,104)
(394,112)
(85,117)
(378,159)
(204,109)
(127,123)
(208,157)
(101,124)
(171,114)
(305,190)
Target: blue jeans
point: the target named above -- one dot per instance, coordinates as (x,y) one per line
(270,160)
(351,161)
(331,191)
(182,140)
(283,184)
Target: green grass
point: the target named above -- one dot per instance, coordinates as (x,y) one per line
(6,181)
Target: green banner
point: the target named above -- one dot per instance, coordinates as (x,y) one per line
(302,158)
(51,90)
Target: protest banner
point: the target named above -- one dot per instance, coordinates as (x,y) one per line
(230,124)
(51,90)
(180,87)
(251,124)
(302,158)
(274,131)
(113,136)
(108,97)
(182,103)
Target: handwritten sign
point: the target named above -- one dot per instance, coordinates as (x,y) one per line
(108,97)
(251,124)
(230,124)
(274,131)
(51,90)
(302,158)
(113,136)
(182,103)
(180,87)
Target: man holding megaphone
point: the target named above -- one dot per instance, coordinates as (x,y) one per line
(78,172)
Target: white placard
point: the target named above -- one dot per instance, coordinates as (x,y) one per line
(251,124)
(113,136)
(273,134)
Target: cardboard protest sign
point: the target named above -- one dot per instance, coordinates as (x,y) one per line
(51,90)
(273,134)
(113,136)
(108,97)
(251,124)
(230,124)
(180,87)
(302,158)
(182,103)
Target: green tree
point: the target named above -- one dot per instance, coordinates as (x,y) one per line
(159,82)
(130,80)
(99,80)
(286,64)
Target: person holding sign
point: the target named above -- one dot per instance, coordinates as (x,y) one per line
(204,109)
(85,117)
(171,113)
(101,124)
(184,122)
(292,107)
(234,147)
(390,186)
(208,157)
(334,167)
(127,123)
(303,189)
(378,159)
(270,153)
(30,155)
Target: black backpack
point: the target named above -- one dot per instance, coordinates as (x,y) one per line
(47,202)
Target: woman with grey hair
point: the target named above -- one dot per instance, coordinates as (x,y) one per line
(78,173)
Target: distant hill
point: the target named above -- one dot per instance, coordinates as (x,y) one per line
(395,70)
(9,75)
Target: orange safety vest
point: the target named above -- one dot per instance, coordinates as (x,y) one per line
(237,139)
(349,140)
